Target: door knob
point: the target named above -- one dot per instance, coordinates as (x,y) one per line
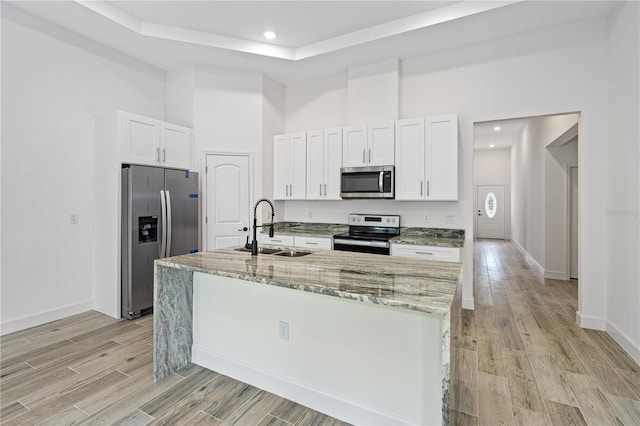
(244,229)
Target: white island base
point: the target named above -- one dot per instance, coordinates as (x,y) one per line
(359,362)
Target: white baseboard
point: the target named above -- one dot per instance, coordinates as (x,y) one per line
(468,303)
(308,396)
(534,263)
(626,342)
(555,275)
(43,317)
(594,323)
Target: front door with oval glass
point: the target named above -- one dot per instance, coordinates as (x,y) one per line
(490,211)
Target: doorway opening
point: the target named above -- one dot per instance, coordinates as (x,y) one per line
(535,161)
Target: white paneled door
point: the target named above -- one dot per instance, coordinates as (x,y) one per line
(490,211)
(227,200)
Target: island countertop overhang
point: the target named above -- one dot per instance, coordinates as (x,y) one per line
(417,285)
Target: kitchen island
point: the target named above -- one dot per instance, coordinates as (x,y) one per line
(364,338)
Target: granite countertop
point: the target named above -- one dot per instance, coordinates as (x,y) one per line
(435,237)
(423,286)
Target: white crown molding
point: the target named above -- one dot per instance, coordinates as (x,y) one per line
(399,26)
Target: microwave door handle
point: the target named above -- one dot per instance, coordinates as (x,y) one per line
(380,182)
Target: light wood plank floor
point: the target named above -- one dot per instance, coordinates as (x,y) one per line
(519,358)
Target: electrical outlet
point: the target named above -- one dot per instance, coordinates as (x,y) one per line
(73,218)
(284,330)
(426,217)
(450,219)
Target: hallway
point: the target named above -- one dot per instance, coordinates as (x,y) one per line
(520,357)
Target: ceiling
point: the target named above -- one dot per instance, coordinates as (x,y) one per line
(314,37)
(485,135)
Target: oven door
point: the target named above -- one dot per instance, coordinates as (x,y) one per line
(375,247)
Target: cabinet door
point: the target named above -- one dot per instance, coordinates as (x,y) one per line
(140,140)
(442,157)
(410,157)
(298,167)
(380,151)
(313,242)
(276,240)
(332,163)
(281,170)
(315,164)
(175,146)
(440,254)
(354,146)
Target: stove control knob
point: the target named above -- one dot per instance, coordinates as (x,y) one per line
(388,220)
(359,219)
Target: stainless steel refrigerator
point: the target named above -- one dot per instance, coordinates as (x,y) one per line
(159,219)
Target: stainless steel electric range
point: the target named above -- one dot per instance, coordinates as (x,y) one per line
(368,233)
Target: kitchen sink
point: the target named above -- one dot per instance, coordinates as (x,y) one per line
(293,253)
(261,250)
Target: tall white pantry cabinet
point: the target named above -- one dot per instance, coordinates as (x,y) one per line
(426,154)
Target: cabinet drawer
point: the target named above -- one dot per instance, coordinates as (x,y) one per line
(314,242)
(441,254)
(277,240)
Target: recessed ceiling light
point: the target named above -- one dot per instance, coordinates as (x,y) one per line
(270,35)
(491,146)
(497,128)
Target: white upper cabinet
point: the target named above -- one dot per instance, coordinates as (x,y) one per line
(151,142)
(289,166)
(442,157)
(175,146)
(381,143)
(368,145)
(410,159)
(140,139)
(426,153)
(324,159)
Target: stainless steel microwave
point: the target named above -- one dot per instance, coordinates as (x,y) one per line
(367,182)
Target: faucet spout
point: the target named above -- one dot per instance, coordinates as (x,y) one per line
(254,243)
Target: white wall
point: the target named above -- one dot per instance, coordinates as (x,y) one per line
(51,92)
(566,76)
(528,189)
(622,204)
(556,193)
(493,167)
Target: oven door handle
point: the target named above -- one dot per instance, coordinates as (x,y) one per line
(383,244)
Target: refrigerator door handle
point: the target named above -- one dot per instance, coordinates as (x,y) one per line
(163,218)
(169,228)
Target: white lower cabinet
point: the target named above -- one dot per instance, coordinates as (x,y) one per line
(314,242)
(300,241)
(441,254)
(277,240)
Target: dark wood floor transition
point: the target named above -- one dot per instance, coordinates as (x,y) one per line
(519,358)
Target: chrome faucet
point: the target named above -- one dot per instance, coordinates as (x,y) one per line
(254,243)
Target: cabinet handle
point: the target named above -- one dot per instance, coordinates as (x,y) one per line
(275,241)
(364,152)
(424,252)
(320,189)
(290,190)
(427,188)
(369,154)
(311,244)
(164,155)
(325,189)
(158,155)
(421,183)
(286,190)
